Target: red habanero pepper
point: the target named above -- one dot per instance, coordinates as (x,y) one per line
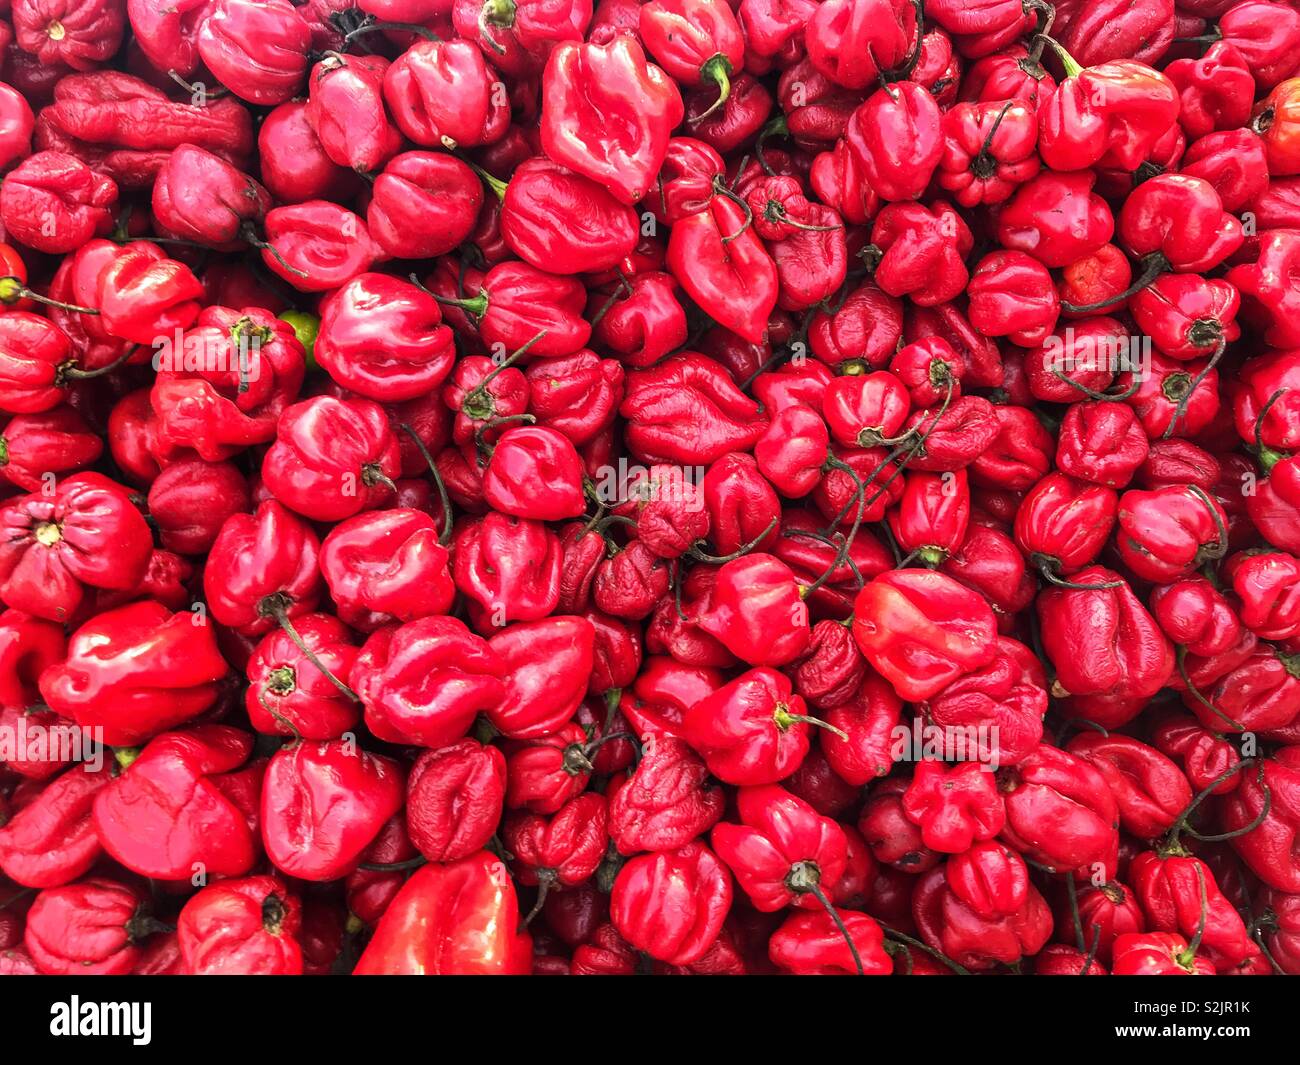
(1215,91)
(1166,534)
(658,403)
(988,151)
(1149,789)
(52,840)
(1013,295)
(317,245)
(924,251)
(75,33)
(1057,218)
(722,264)
(1266,586)
(262,566)
(459,919)
(424,682)
(755,609)
(383,338)
(225,382)
(517,35)
(1101,443)
(445,91)
(288,694)
(1270,286)
(332,458)
(167,816)
(671,904)
(91,928)
(190,501)
(1102,641)
(245,927)
(200,197)
(1062,524)
(55,203)
(847,40)
(810,944)
(1111,114)
(387,566)
(989,877)
(258,50)
(563,222)
(545,666)
(753,731)
(1008,694)
(1060,812)
(534,473)
(345,106)
(970,939)
(167,32)
(1179,894)
(562,850)
(293,165)
(86,534)
(136,671)
(1277,121)
(1157,954)
(896,137)
(668,800)
(509,568)
(454,800)
(323,804)
(949,630)
(698,42)
(955,807)
(608,114)
(27,646)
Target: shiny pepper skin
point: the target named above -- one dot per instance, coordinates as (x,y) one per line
(386,566)
(950,630)
(136,671)
(753,731)
(423,682)
(671,904)
(415,355)
(953,808)
(607,114)
(323,803)
(332,458)
(243,927)
(459,919)
(88,534)
(167,816)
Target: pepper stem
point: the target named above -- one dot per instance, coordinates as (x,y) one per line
(12,290)
(276,607)
(444,537)
(716,69)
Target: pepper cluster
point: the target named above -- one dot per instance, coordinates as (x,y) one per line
(694,486)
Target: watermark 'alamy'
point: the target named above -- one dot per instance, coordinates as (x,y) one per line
(30,741)
(623,482)
(1072,352)
(74,1017)
(207,352)
(952,743)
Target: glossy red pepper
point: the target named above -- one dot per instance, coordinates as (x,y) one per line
(322,805)
(168,816)
(451,920)
(950,630)
(136,671)
(246,927)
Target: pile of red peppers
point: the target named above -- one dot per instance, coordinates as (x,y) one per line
(683,487)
